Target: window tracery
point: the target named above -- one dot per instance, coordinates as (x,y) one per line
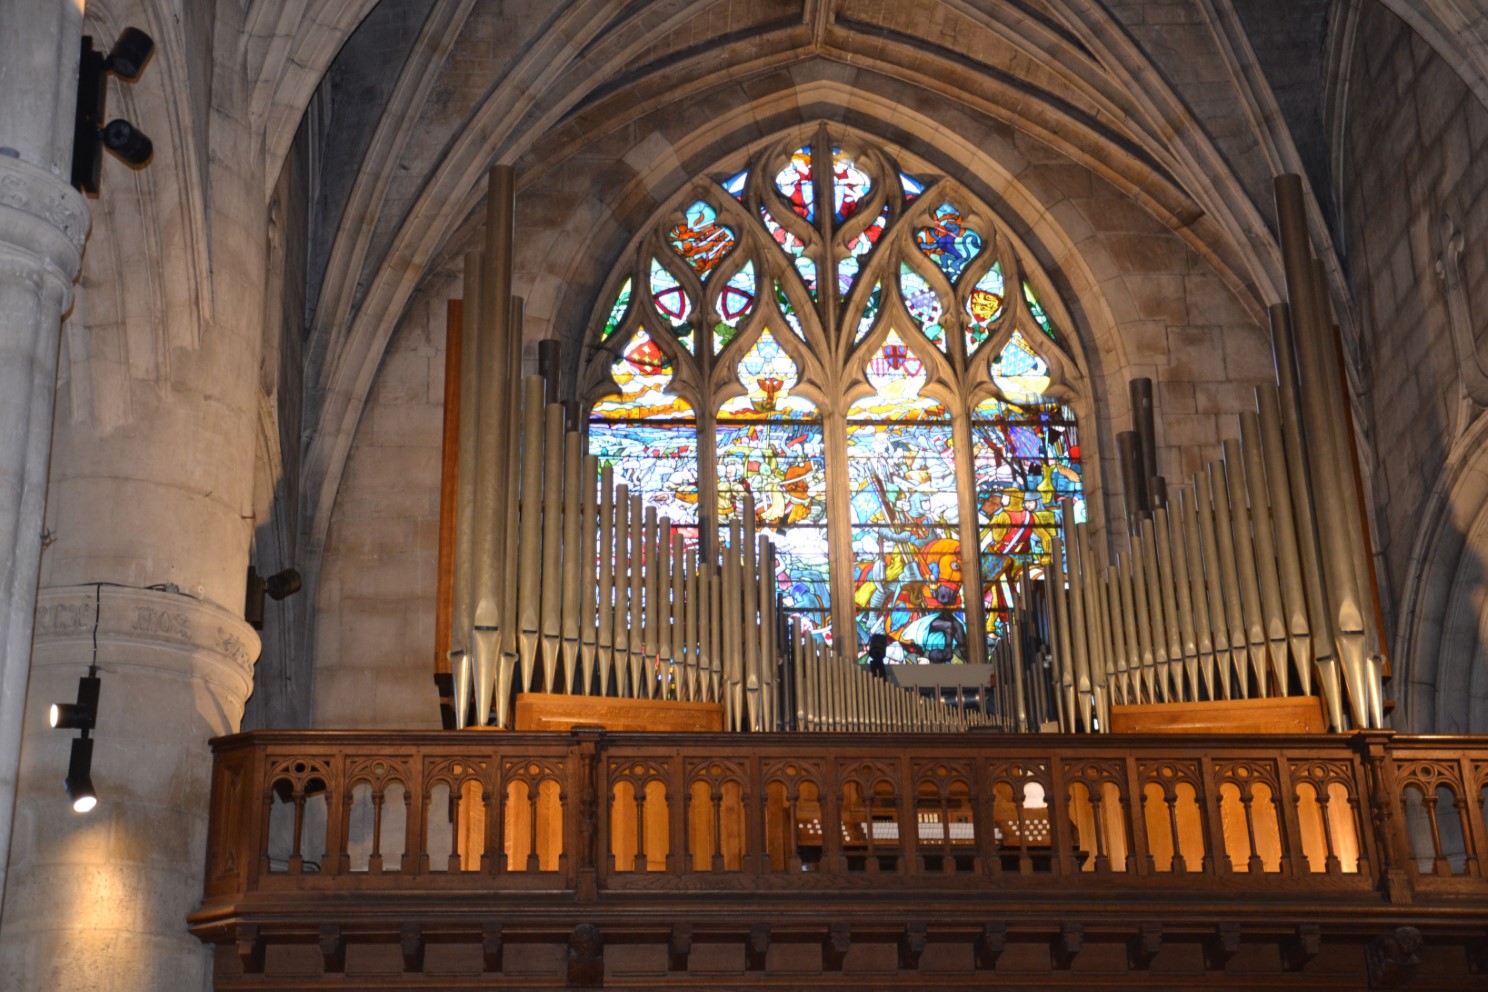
(865,373)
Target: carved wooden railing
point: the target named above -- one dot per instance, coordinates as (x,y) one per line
(1358,819)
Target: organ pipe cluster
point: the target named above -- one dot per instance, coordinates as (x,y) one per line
(565,582)
(838,694)
(1255,582)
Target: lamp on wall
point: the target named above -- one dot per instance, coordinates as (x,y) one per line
(82,715)
(280,585)
(79,780)
(126,60)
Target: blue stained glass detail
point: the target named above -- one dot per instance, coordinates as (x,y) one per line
(948,242)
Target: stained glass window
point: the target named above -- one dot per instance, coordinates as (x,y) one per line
(617,312)
(860,245)
(947,241)
(983,307)
(923,304)
(672,302)
(736,300)
(1027,459)
(905,520)
(1041,318)
(850,184)
(647,432)
(936,391)
(795,184)
(770,446)
(701,240)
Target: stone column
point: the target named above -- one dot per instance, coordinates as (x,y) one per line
(42,225)
(100,900)
(149,504)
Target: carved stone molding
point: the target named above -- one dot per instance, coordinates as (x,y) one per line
(190,636)
(43,221)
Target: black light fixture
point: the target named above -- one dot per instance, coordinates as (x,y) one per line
(280,585)
(79,780)
(82,716)
(126,60)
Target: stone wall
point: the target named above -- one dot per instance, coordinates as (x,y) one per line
(375,603)
(1413,152)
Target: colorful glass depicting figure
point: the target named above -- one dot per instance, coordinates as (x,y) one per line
(795,184)
(850,184)
(647,433)
(902,479)
(1026,459)
(770,447)
(701,240)
(948,242)
(983,307)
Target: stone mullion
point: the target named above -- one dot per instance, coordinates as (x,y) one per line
(839,535)
(971,560)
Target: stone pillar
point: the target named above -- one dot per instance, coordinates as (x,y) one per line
(150,503)
(42,225)
(100,900)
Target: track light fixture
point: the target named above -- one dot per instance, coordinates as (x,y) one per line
(126,60)
(81,716)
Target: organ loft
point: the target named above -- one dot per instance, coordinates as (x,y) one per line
(780,495)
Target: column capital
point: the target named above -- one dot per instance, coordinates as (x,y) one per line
(149,628)
(41,215)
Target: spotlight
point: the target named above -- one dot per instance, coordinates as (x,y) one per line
(79,781)
(130,53)
(280,585)
(81,714)
(126,60)
(128,142)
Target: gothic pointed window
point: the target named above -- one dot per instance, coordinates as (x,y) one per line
(859,352)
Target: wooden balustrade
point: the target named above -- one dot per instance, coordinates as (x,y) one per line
(1365,816)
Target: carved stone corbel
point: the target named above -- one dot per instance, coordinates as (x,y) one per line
(491,947)
(250,949)
(1393,958)
(911,945)
(586,956)
(990,944)
(1067,945)
(836,946)
(1303,947)
(679,947)
(332,949)
(1222,946)
(411,941)
(757,947)
(1143,947)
